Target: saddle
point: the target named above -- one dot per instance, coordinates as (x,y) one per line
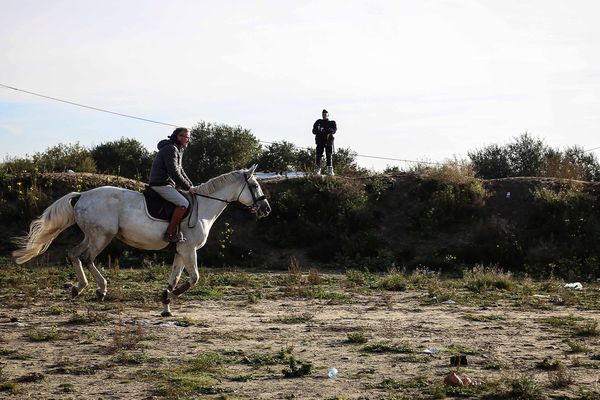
(160,208)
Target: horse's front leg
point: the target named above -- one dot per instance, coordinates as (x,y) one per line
(176,271)
(191,266)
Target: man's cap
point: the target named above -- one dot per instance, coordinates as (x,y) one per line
(325,111)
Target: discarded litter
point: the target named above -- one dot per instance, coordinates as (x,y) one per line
(431,350)
(449,302)
(508,195)
(332,373)
(574,285)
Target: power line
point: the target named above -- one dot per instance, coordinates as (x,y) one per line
(176,126)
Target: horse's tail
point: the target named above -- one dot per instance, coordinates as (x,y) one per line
(43,230)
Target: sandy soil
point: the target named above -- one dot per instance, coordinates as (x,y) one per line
(80,362)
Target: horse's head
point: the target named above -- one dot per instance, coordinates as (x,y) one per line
(252,195)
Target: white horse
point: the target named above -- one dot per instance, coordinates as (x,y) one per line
(107,212)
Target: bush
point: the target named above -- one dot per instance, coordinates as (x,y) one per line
(491,162)
(64,157)
(278,157)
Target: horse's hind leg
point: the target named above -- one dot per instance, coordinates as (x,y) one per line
(95,247)
(73,255)
(176,271)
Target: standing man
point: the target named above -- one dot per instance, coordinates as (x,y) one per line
(324,129)
(167,173)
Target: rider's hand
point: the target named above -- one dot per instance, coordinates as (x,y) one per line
(192,189)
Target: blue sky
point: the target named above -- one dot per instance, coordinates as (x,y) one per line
(425,80)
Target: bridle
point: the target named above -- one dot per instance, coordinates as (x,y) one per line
(255,199)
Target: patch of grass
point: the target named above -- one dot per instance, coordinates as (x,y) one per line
(204,292)
(31,377)
(43,335)
(254,296)
(460,349)
(323,294)
(481,279)
(577,346)
(183,385)
(9,386)
(297,369)
(483,318)
(357,337)
(360,278)
(127,338)
(548,364)
(587,328)
(126,358)
(389,347)
(89,317)
(589,394)
(66,388)
(294,319)
(59,310)
(209,362)
(393,282)
(561,377)
(13,354)
(523,387)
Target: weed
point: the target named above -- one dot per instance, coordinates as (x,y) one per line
(210,362)
(393,282)
(481,279)
(587,328)
(125,338)
(561,377)
(295,319)
(294,270)
(125,358)
(388,347)
(577,346)
(66,387)
(524,387)
(483,318)
(357,337)
(44,335)
(297,368)
(254,296)
(13,354)
(548,364)
(314,277)
(31,377)
(360,278)
(183,385)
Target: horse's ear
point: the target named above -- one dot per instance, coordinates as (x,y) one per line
(252,169)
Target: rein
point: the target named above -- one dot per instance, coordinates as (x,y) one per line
(255,199)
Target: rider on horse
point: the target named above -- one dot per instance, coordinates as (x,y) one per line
(167,173)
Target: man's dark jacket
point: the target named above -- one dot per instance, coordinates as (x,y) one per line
(324,129)
(166,168)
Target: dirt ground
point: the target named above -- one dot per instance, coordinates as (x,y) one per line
(236,344)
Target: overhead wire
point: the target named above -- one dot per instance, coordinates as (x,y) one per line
(175,126)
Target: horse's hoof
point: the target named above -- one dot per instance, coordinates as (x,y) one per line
(74,292)
(100,295)
(166,314)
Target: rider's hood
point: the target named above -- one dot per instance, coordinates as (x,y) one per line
(163,143)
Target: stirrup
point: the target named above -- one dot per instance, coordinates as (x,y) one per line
(176,238)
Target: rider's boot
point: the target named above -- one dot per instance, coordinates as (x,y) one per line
(330,171)
(173,234)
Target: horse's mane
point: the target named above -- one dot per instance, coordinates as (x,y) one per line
(216,183)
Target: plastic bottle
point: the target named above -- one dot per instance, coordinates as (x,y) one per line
(332,373)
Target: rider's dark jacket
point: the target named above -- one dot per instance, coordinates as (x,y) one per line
(166,168)
(324,129)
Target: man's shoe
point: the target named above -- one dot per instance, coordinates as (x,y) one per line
(330,171)
(317,171)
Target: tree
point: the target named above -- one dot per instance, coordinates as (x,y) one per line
(491,162)
(64,157)
(278,157)
(527,155)
(215,149)
(123,157)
